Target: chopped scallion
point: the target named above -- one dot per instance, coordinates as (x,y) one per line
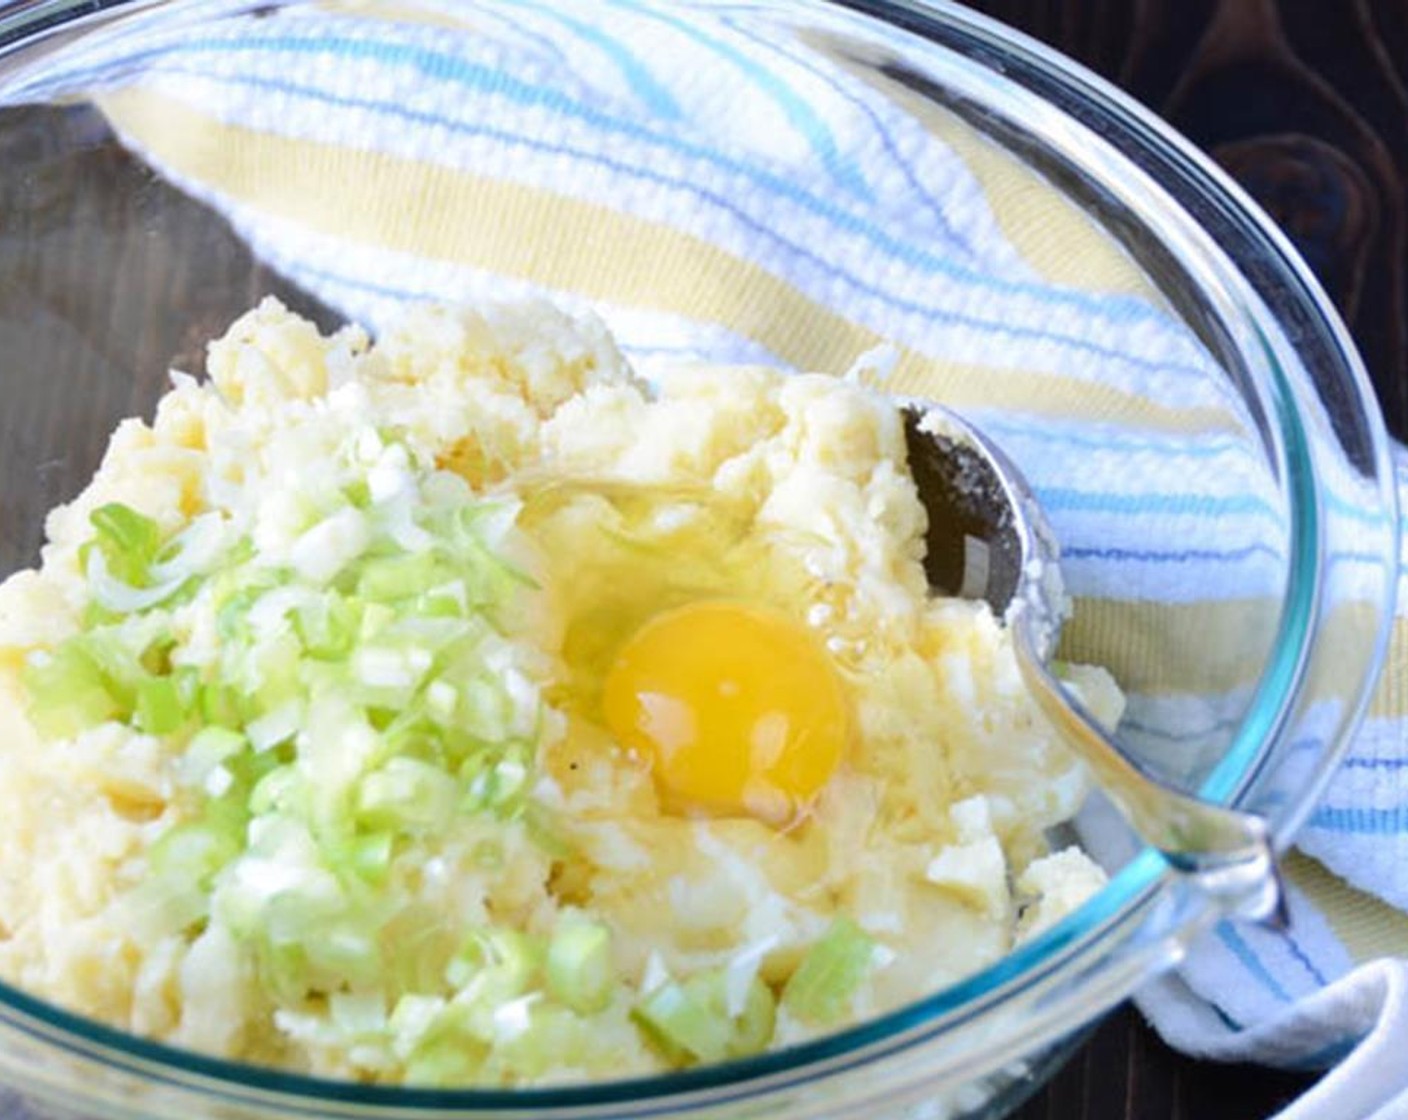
(406,794)
(160,709)
(820,990)
(67,694)
(129,541)
(578,969)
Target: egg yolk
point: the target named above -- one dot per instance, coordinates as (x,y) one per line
(738,708)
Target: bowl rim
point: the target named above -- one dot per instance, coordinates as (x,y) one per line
(1130,891)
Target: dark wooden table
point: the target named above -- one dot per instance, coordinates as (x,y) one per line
(1304,101)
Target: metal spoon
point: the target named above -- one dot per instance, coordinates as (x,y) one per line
(988,539)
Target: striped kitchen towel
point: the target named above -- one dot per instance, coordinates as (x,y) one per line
(720,185)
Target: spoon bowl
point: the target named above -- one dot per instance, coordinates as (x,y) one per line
(989,539)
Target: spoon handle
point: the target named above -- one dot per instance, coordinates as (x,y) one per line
(1226,854)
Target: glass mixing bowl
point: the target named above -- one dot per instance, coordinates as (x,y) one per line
(802,180)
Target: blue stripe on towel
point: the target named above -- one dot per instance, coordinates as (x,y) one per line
(901,164)
(797,109)
(652,94)
(1248,959)
(1360,821)
(1177,556)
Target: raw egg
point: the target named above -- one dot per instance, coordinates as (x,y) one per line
(737,708)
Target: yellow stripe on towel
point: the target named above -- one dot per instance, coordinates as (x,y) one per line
(1369,927)
(1391,697)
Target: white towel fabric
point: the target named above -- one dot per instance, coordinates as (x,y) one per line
(796,210)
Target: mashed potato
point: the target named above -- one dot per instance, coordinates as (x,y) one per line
(305,759)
